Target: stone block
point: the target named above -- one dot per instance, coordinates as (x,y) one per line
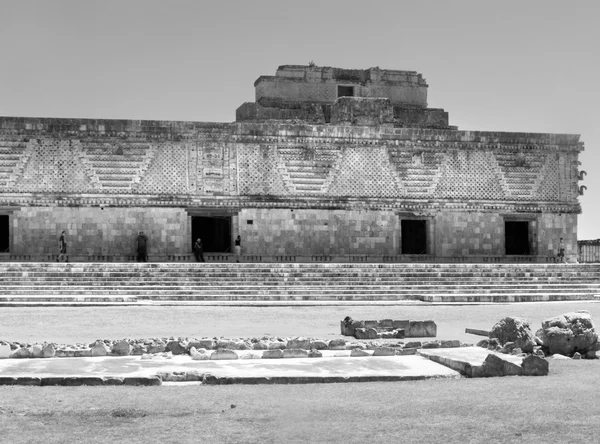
(317,344)
(400,324)
(145,381)
(432,344)
(359,353)
(384,351)
(21,353)
(260,345)
(366,333)
(83,353)
(36,351)
(295,353)
(208,344)
(48,351)
(277,345)
(450,343)
(414,344)
(111,380)
(337,344)
(315,354)
(494,365)
(302,343)
(223,354)
(121,348)
(176,347)
(533,365)
(386,323)
(421,329)
(274,353)
(406,351)
(99,348)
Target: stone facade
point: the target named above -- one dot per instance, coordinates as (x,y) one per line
(347,187)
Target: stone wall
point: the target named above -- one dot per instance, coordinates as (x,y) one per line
(93,232)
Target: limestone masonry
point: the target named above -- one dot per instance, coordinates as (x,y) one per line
(327,164)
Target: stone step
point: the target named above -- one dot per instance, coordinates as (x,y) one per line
(259,290)
(432,298)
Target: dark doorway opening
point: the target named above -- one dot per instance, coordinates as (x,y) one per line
(215,232)
(516,237)
(4,234)
(414,236)
(345,91)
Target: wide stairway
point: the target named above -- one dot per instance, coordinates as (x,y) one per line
(271,283)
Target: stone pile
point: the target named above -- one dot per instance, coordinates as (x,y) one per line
(572,335)
(214,348)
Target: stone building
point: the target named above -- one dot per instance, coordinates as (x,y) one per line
(327,164)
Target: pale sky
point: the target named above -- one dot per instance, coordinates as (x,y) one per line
(525,66)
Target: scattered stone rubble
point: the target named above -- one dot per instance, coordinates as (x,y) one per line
(270,347)
(571,335)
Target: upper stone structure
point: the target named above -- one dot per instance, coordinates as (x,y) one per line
(321,95)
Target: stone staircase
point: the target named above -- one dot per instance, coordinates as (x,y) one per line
(30,283)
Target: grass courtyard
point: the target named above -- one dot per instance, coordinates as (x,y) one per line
(562,407)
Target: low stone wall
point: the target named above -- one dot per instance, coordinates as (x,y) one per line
(266,347)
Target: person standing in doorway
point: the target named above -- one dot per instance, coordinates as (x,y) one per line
(62,248)
(199,250)
(561,250)
(142,247)
(238,248)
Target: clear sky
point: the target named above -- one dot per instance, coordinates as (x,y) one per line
(531,66)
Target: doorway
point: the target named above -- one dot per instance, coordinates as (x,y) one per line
(414,236)
(4,234)
(516,237)
(215,232)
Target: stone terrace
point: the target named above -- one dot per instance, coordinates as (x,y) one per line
(268,283)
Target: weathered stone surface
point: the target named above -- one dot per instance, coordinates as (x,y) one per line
(223,354)
(315,354)
(176,347)
(384,351)
(421,329)
(260,345)
(337,344)
(366,333)
(318,344)
(413,344)
(83,353)
(99,348)
(359,353)
(122,348)
(156,347)
(36,351)
(495,365)
(533,365)
(432,344)
(200,355)
(20,353)
(299,342)
(274,353)
(514,329)
(139,349)
(450,343)
(206,343)
(576,355)
(569,333)
(295,353)
(277,345)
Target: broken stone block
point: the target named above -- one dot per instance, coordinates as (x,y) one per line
(432,344)
(495,365)
(48,351)
(533,365)
(400,325)
(569,333)
(514,329)
(277,345)
(21,353)
(450,343)
(318,344)
(36,351)
(421,329)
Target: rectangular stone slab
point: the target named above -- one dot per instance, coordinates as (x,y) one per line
(465,360)
(301,370)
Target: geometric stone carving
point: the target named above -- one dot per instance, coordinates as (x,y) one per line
(520,171)
(307,169)
(419,171)
(116,167)
(14,155)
